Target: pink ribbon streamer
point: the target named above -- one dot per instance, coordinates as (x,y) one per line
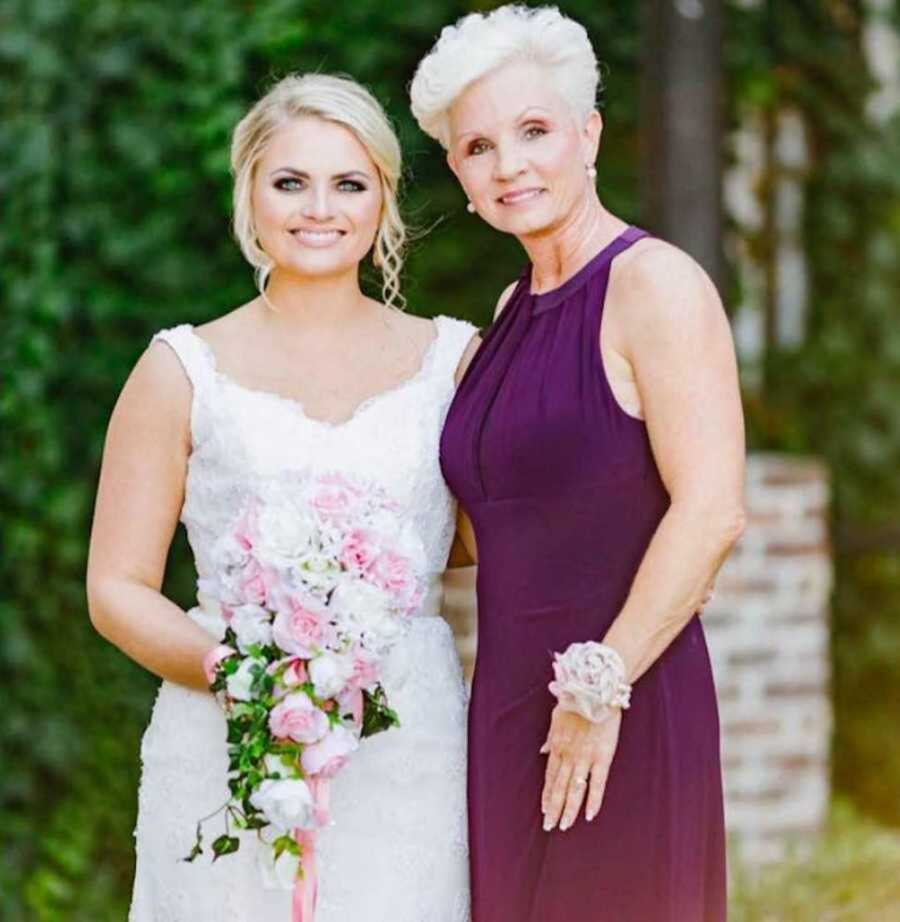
(307,885)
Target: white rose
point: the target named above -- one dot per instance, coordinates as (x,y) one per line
(252,625)
(329,673)
(280,873)
(229,558)
(287,804)
(229,553)
(239,682)
(319,572)
(382,630)
(330,539)
(359,601)
(365,613)
(285,531)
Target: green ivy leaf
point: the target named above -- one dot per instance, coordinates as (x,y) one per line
(225,845)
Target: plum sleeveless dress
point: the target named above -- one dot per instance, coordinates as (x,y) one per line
(564,496)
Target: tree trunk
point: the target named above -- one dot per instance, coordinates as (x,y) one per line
(682,127)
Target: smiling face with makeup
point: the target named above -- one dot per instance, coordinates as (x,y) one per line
(520,151)
(316,199)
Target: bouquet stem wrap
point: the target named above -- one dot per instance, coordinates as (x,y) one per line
(306,887)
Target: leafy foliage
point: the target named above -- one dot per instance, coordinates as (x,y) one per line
(838,396)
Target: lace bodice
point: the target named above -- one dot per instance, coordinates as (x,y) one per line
(243,437)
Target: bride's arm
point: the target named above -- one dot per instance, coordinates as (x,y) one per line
(138,502)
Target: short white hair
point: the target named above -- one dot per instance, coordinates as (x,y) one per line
(480,43)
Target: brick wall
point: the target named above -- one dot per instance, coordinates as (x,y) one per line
(768,633)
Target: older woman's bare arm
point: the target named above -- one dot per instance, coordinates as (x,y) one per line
(678,341)
(138,502)
(666,321)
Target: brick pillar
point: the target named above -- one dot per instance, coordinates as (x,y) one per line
(768,634)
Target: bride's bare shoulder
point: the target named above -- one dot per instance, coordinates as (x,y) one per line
(160,372)
(413,329)
(229,328)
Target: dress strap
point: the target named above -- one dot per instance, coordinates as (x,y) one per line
(454,337)
(192,352)
(199,366)
(628,237)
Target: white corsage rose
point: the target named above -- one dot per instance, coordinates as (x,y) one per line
(590,680)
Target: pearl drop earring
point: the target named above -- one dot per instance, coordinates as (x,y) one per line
(592,172)
(470,207)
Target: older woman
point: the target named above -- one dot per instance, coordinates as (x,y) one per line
(596,446)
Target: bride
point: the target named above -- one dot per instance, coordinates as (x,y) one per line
(310,374)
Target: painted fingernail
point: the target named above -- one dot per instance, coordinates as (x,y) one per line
(591,815)
(564,825)
(547,824)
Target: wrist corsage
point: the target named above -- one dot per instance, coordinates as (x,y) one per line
(590,680)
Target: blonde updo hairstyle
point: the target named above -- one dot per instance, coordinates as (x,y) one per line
(344,102)
(482,42)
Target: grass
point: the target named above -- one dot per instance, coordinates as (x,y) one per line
(852,875)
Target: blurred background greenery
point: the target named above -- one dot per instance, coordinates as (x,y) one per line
(115,193)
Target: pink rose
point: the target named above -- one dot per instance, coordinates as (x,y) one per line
(297,718)
(359,550)
(246,528)
(393,574)
(294,674)
(299,629)
(365,671)
(252,584)
(327,757)
(352,703)
(334,498)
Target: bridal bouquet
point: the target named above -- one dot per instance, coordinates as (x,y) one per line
(316,584)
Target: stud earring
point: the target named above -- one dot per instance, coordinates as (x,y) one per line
(470,207)
(592,172)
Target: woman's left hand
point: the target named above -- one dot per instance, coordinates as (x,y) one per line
(581,753)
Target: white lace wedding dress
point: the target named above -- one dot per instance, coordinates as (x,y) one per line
(397,849)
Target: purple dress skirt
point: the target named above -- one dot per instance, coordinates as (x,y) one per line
(564,496)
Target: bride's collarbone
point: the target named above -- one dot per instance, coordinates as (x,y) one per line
(329,382)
